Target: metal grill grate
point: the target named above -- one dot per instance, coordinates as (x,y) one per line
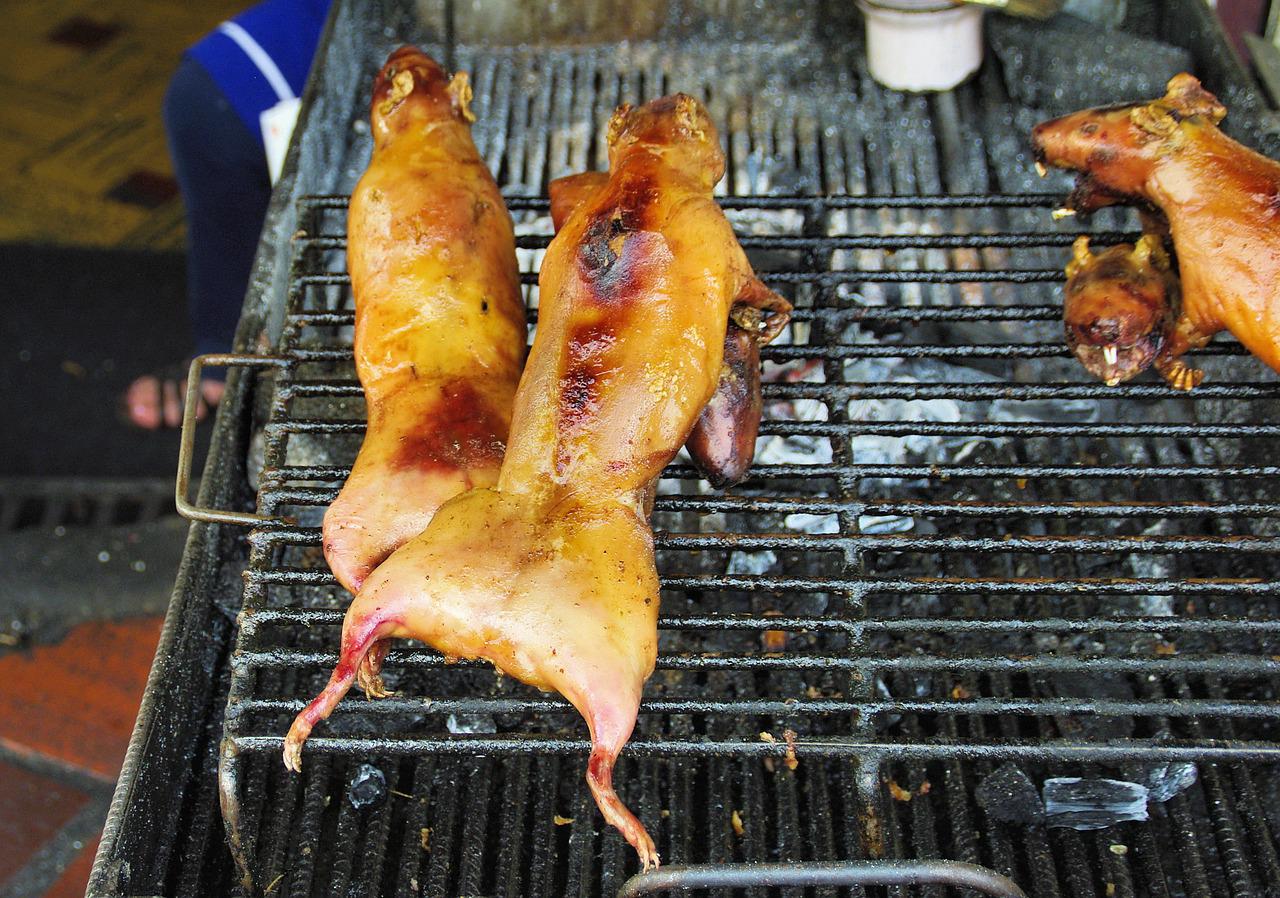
(957,552)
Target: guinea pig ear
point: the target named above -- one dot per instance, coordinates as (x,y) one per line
(1185,96)
(1149,252)
(459,91)
(1156,119)
(688,114)
(1080,255)
(617,122)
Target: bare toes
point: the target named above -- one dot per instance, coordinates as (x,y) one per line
(142,402)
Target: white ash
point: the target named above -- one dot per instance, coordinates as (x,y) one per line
(1093,803)
(471,723)
(812,523)
(1150,566)
(874,525)
(1164,781)
(794,450)
(751,562)
(526,225)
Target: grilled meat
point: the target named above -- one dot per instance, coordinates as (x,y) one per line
(723,441)
(440,331)
(1119,306)
(551,576)
(1221,200)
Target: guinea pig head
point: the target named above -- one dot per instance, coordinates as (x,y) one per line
(677,127)
(1115,148)
(1119,307)
(413,90)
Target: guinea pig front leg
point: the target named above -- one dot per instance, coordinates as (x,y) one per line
(1185,337)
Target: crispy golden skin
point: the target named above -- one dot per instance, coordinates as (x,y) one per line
(1221,199)
(1119,306)
(723,441)
(440,330)
(551,575)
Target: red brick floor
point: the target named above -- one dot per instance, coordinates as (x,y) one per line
(32,810)
(66,714)
(76,875)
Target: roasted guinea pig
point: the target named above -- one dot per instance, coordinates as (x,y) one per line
(1119,306)
(440,330)
(551,576)
(1221,200)
(722,443)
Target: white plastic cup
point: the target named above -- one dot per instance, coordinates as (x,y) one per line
(920,45)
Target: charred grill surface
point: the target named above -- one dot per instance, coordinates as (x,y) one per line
(961,574)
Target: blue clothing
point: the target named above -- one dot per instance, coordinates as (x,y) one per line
(211,118)
(288,31)
(222,173)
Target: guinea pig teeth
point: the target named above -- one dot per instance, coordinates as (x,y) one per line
(1041,170)
(1111,355)
(1064,212)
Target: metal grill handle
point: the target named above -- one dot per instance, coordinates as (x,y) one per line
(846,873)
(186,448)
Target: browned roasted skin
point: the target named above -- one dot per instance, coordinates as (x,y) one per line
(1221,199)
(723,441)
(1119,306)
(551,575)
(440,331)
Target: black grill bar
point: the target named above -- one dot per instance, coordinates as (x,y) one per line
(1122,751)
(811,203)
(1171,708)
(886,242)
(1265,545)
(1233,665)
(941,472)
(322,496)
(317,616)
(779,354)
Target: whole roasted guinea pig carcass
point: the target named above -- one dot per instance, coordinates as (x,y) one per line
(1221,201)
(551,575)
(440,329)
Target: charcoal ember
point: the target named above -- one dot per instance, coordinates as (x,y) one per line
(1008,795)
(368,787)
(1067,65)
(1086,803)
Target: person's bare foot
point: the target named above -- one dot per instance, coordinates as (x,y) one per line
(154,401)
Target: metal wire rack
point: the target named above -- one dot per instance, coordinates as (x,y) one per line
(955,552)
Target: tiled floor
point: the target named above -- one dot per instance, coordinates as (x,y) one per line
(83,163)
(82,151)
(66,714)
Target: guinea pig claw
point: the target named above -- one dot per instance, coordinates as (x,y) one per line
(1182,376)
